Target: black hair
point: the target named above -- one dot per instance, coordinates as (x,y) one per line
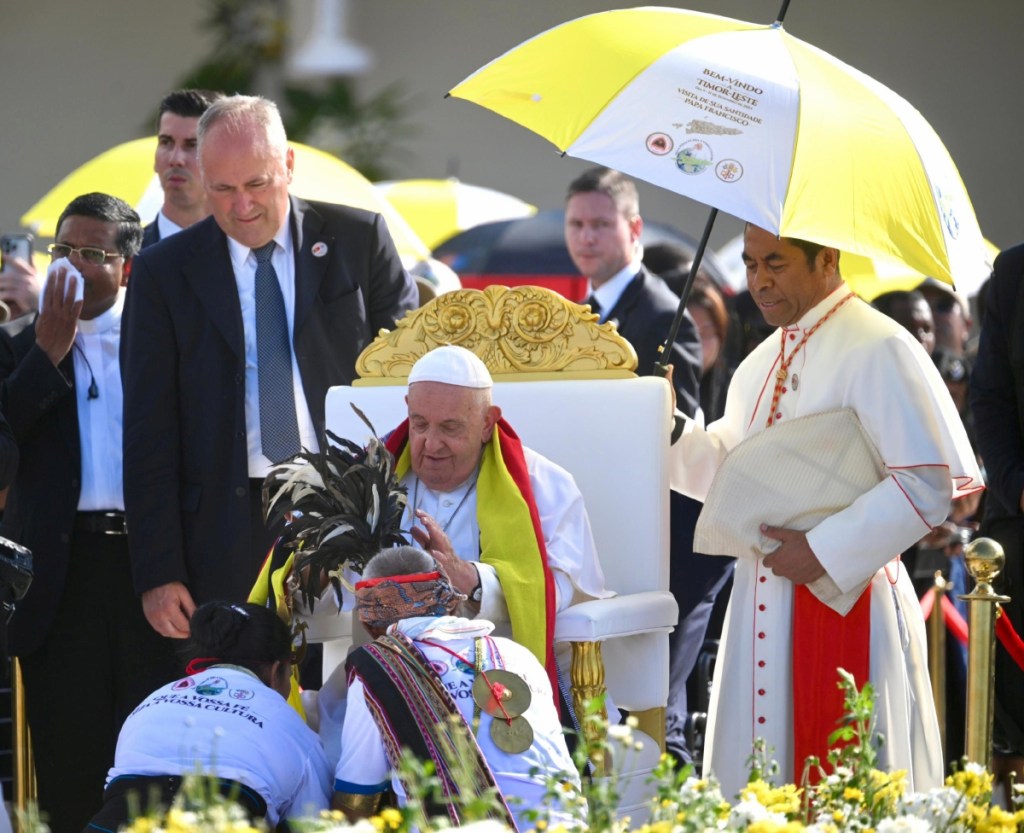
(111,210)
(244,634)
(887,302)
(189,104)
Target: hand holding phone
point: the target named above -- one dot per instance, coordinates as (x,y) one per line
(19,281)
(14,246)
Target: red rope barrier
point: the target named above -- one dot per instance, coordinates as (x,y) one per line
(957,625)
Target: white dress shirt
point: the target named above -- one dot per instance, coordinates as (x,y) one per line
(243,261)
(100,421)
(166,227)
(608,293)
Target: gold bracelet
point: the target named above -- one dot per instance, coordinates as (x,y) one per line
(361,804)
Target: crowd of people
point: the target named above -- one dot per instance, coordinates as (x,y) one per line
(158,373)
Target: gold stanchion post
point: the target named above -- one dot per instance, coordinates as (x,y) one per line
(985,559)
(24,771)
(937,654)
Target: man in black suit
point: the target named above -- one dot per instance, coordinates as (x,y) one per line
(602,233)
(997,399)
(175,163)
(86,651)
(234,330)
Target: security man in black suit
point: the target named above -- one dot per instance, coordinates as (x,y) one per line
(175,163)
(234,330)
(87,655)
(602,233)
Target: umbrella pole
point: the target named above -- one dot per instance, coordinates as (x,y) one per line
(782,12)
(660,367)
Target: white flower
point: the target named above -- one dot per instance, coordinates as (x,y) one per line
(905,824)
(746,813)
(936,806)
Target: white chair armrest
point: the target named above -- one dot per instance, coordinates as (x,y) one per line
(598,620)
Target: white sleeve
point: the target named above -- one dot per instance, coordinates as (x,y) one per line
(363,762)
(910,421)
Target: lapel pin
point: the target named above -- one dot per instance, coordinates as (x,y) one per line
(319,249)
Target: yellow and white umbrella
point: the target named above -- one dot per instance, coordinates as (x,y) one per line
(126,171)
(748,119)
(437,209)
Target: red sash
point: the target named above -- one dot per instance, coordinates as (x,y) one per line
(822,642)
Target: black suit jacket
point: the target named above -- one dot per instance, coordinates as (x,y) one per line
(644,314)
(151,233)
(183,364)
(39,402)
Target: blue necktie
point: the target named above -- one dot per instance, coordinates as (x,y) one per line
(279,427)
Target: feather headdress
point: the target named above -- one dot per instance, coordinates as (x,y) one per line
(342,506)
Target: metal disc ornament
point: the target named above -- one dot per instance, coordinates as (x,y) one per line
(512,736)
(501,694)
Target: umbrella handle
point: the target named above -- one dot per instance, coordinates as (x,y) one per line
(661,368)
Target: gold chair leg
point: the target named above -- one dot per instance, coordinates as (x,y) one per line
(652,722)
(586,674)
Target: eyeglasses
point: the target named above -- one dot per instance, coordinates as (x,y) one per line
(90,255)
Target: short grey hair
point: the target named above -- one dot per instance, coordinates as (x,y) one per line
(240,114)
(399,561)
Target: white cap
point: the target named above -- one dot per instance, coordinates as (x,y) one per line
(451,365)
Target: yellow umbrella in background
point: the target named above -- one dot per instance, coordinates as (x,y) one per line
(868,277)
(126,171)
(437,209)
(871,277)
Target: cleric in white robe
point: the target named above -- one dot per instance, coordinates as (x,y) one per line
(832,351)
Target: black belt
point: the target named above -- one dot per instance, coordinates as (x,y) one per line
(106,523)
(115,797)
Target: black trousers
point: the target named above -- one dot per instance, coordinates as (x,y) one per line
(695,580)
(144,791)
(99,660)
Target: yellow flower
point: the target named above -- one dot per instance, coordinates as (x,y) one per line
(768,826)
(972,781)
(998,820)
(853,794)
(391,818)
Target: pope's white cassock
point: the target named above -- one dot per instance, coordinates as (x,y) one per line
(857,359)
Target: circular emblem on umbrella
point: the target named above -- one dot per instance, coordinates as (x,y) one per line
(729,170)
(660,143)
(694,156)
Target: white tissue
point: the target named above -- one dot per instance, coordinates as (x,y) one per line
(69,271)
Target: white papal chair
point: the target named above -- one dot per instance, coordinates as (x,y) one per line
(566,385)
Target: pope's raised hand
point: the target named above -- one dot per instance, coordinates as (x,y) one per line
(462,574)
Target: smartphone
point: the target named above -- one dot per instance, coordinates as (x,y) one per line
(15,245)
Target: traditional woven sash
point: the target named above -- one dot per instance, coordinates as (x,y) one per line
(822,642)
(511,539)
(414,711)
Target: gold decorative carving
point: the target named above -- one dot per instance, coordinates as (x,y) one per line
(520,330)
(586,674)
